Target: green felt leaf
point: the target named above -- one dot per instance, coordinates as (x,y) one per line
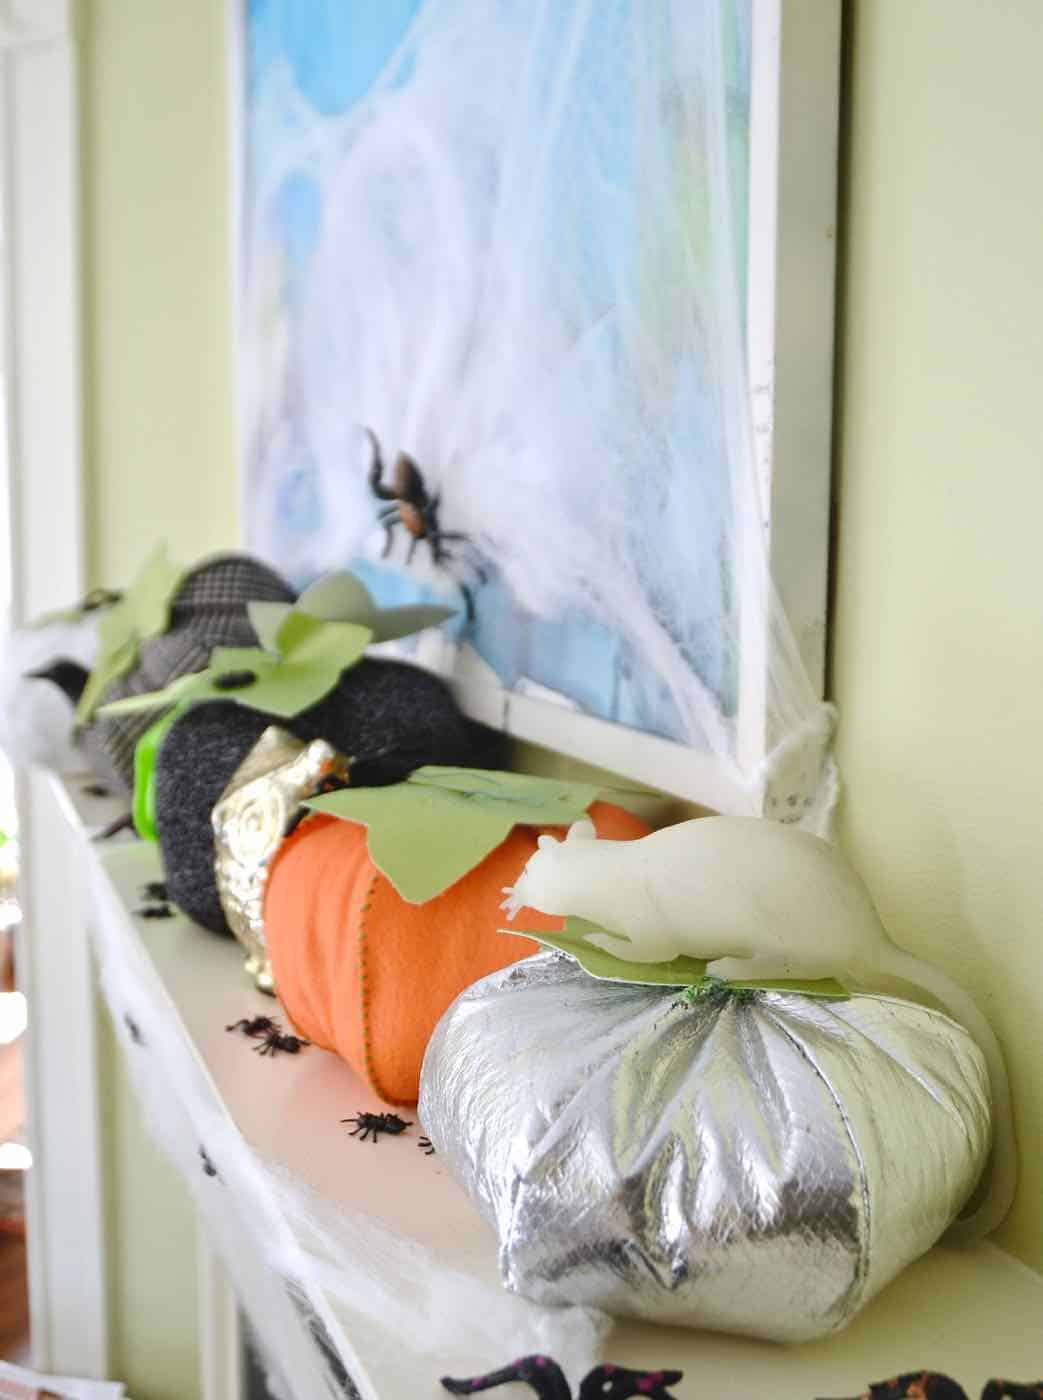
(679,972)
(429,831)
(391,623)
(183,689)
(109,665)
(297,630)
(421,839)
(142,612)
(818,987)
(534,801)
(266,619)
(315,656)
(599,963)
(339,597)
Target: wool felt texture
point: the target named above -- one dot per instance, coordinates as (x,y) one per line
(377,705)
(208,610)
(362,972)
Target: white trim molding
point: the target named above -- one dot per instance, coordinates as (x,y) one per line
(40,387)
(65,1215)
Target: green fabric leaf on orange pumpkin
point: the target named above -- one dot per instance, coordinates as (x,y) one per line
(427,832)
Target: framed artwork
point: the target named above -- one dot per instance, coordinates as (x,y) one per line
(536,317)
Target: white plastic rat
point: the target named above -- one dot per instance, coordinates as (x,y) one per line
(760,900)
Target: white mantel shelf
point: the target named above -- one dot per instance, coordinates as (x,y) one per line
(972,1314)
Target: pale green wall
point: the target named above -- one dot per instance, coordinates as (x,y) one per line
(938,628)
(160,464)
(157,245)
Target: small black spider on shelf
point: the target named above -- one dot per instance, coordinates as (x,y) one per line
(155,890)
(155,911)
(255,1026)
(275,1041)
(371,1125)
(426,1146)
(417,513)
(270,1034)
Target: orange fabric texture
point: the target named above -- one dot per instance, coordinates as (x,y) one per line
(367,975)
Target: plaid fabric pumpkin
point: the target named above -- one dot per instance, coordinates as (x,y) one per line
(208,610)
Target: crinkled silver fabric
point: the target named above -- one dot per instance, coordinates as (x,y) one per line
(761,1167)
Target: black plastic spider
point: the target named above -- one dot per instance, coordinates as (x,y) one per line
(275,1041)
(375,1124)
(417,513)
(546,1378)
(255,1026)
(270,1034)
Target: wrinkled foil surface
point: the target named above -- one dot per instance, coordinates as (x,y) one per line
(250,821)
(761,1167)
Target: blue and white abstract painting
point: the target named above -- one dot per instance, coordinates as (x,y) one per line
(508,238)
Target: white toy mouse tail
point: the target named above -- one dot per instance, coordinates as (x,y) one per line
(1003,1176)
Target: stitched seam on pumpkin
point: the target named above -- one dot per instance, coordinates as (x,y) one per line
(367,1042)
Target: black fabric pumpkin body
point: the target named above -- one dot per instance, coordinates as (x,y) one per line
(389,716)
(208,610)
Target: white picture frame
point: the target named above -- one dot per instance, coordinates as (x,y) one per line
(790,334)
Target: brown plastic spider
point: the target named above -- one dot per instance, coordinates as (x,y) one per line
(417,513)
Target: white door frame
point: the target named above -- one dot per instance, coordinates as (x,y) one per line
(41,397)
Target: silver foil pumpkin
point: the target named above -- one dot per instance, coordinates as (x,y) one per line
(761,1166)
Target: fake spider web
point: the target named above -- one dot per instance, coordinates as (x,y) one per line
(525,267)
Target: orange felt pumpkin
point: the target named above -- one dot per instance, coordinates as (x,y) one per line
(367,975)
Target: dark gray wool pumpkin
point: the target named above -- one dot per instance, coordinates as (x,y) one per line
(207,611)
(391,716)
